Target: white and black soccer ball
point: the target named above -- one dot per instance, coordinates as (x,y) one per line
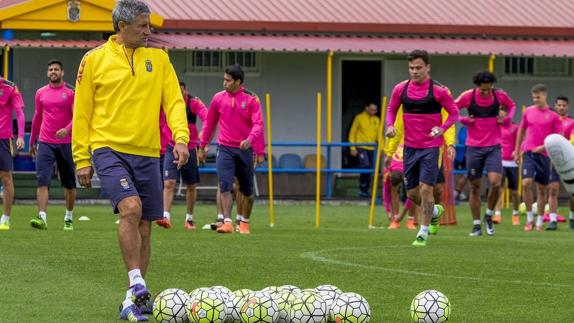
(290,288)
(284,301)
(329,293)
(206,306)
(308,307)
(222,291)
(351,308)
(234,303)
(430,306)
(272,290)
(170,306)
(259,307)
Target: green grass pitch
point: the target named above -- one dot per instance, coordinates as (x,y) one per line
(78,276)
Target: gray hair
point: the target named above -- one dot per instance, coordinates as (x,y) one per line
(127,11)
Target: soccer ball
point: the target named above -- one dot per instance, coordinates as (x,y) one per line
(271,290)
(546,208)
(430,306)
(522,208)
(170,305)
(259,307)
(196,291)
(206,307)
(234,303)
(308,308)
(535,208)
(329,293)
(284,301)
(290,288)
(351,308)
(222,291)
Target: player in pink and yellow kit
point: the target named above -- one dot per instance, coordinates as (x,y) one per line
(538,121)
(422,99)
(237,111)
(52,126)
(484,104)
(10,101)
(189,172)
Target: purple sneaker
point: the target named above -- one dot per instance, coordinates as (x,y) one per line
(140,294)
(132,313)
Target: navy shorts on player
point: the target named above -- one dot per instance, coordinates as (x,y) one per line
(189,172)
(6,152)
(126,175)
(554,177)
(510,174)
(61,154)
(480,158)
(234,162)
(421,165)
(536,166)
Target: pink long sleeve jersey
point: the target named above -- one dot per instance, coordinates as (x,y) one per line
(484,130)
(10,101)
(422,104)
(194,108)
(54,111)
(239,116)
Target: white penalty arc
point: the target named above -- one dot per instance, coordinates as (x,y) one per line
(318,257)
(561,153)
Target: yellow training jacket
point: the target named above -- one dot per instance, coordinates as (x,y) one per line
(119,94)
(392,143)
(364,129)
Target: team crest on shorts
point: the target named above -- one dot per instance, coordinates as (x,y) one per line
(124,183)
(148,65)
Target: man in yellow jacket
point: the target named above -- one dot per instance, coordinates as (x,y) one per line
(364,130)
(120,88)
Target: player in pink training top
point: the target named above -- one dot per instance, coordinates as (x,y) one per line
(538,121)
(10,101)
(484,104)
(52,127)
(508,130)
(422,100)
(237,111)
(561,107)
(189,172)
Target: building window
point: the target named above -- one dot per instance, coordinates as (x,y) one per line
(551,66)
(537,66)
(215,61)
(518,66)
(205,61)
(247,60)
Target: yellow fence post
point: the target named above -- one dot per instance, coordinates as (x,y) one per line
(6,61)
(491,63)
(379,150)
(269,159)
(318,172)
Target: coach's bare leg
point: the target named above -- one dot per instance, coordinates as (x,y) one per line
(474,198)
(494,180)
(8,185)
(42,193)
(145,250)
(129,234)
(168,188)
(70,195)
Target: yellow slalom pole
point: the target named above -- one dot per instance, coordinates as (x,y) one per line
(491,63)
(329,94)
(318,172)
(6,61)
(379,147)
(269,160)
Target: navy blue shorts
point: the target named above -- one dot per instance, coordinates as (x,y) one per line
(554,177)
(61,154)
(510,173)
(125,175)
(536,166)
(440,177)
(236,162)
(161,161)
(480,158)
(421,165)
(6,152)
(365,158)
(189,172)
